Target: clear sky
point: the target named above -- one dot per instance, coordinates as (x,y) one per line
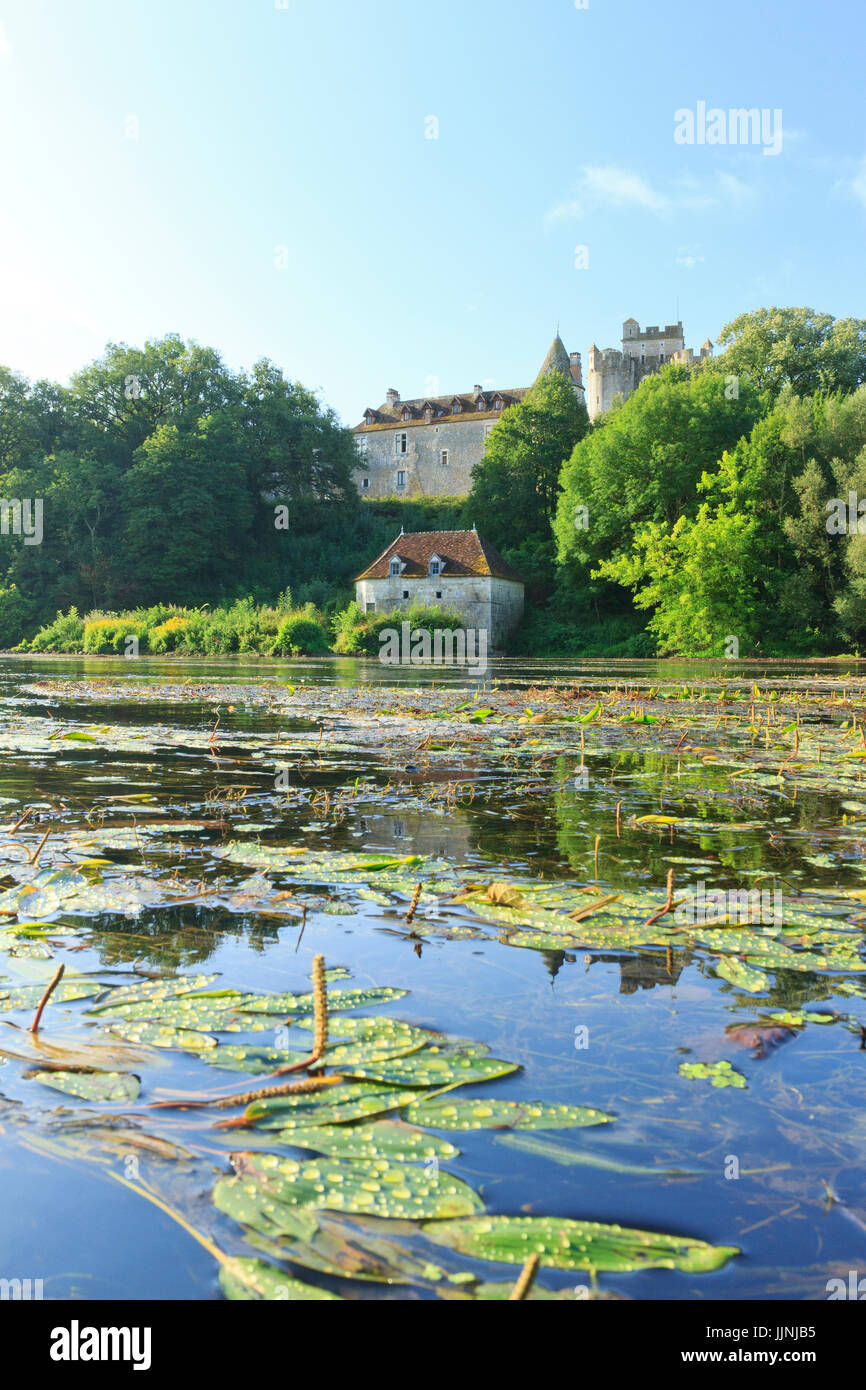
(257,175)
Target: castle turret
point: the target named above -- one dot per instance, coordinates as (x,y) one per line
(557,360)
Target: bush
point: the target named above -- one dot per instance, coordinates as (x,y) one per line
(65,634)
(168,636)
(109,634)
(358,632)
(301,634)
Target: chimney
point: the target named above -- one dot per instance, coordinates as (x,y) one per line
(392,396)
(476,389)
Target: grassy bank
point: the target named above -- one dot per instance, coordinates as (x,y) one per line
(241,627)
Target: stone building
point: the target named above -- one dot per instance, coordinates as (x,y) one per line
(448,569)
(613,373)
(428,446)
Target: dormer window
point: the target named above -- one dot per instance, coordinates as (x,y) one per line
(395,568)
(407,415)
(479,404)
(435,567)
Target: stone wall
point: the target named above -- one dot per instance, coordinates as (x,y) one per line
(611,374)
(485,604)
(426,475)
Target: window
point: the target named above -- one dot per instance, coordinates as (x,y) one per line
(365,482)
(661,357)
(401,479)
(405,593)
(443,458)
(395,566)
(438,593)
(479,404)
(401,443)
(407,415)
(371,606)
(435,567)
(488,427)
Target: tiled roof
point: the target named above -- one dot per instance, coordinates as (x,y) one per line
(463,553)
(442,407)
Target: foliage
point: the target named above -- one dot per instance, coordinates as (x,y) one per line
(799,348)
(516,484)
(241,627)
(357,632)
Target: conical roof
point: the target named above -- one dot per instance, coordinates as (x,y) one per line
(557,360)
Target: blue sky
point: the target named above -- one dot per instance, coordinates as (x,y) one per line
(259,178)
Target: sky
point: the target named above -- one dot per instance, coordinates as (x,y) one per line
(415,193)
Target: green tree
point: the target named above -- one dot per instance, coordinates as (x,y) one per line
(801,348)
(643,462)
(515,486)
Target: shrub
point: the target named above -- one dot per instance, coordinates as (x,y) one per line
(301,633)
(109,634)
(358,632)
(65,634)
(167,636)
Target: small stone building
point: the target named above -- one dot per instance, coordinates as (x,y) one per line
(448,569)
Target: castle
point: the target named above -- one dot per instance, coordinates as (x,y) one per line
(615,373)
(428,446)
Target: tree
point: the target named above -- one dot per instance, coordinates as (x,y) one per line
(188,511)
(806,350)
(515,486)
(643,461)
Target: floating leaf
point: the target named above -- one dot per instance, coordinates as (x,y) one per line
(29,996)
(163,1035)
(152,990)
(353,1102)
(338,1000)
(501,1114)
(109,1086)
(381,1139)
(432,1067)
(374,1187)
(743,976)
(253,1279)
(717,1073)
(565,1244)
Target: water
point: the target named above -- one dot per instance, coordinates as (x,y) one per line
(378,759)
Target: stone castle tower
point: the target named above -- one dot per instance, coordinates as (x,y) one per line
(616,373)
